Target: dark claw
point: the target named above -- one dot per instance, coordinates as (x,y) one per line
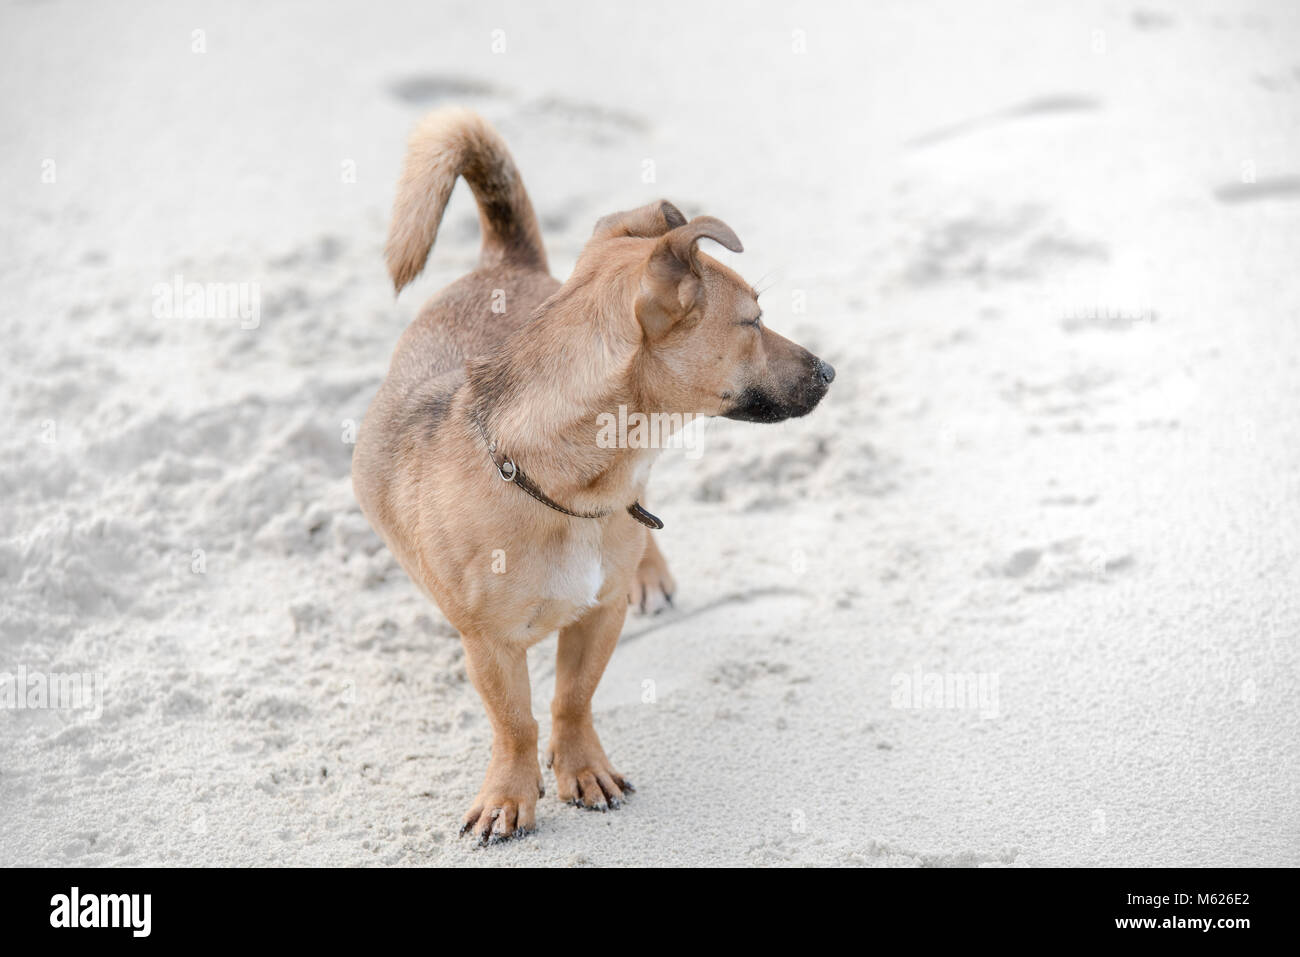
(515,835)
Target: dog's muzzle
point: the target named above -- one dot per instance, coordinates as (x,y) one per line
(764,404)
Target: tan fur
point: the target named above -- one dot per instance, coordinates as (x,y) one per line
(645,321)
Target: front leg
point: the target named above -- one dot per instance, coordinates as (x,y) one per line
(583,774)
(506,805)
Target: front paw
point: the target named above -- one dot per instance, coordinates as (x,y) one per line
(583,775)
(652,586)
(506,805)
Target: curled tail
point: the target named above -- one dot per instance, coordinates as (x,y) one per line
(446,144)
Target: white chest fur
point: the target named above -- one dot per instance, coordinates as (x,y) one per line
(576,574)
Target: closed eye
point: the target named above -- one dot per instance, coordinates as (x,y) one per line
(756,322)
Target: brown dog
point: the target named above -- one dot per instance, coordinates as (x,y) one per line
(503,375)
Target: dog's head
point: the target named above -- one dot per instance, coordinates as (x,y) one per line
(706,349)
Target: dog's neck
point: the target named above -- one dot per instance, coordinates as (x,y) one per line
(541,396)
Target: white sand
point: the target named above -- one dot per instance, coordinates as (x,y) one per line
(1097,510)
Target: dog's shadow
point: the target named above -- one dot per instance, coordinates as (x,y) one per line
(671,616)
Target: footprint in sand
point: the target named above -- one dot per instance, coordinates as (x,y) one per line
(1055,105)
(986,241)
(430,89)
(598,124)
(1278,187)
(1061,565)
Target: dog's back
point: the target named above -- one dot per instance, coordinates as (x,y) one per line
(469,318)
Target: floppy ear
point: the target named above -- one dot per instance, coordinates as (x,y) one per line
(647,222)
(684,239)
(670,283)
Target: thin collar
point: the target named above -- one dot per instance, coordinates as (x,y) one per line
(510,472)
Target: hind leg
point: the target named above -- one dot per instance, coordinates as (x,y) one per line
(651,587)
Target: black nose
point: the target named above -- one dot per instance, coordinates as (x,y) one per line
(826,371)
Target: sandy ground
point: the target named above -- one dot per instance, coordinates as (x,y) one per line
(1051,251)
